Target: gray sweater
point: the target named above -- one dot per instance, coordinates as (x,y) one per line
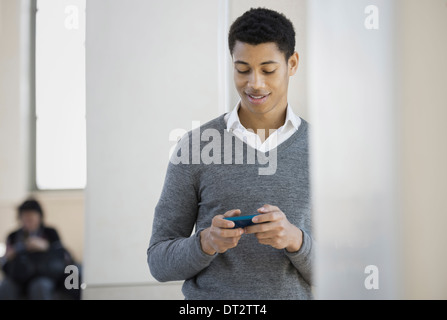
(193,193)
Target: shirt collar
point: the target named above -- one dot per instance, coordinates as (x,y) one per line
(234,122)
(291,118)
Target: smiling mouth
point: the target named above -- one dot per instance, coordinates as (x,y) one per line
(257,99)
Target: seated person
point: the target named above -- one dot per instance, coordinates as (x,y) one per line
(35,259)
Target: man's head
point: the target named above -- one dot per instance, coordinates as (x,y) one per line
(260,25)
(262,45)
(30,215)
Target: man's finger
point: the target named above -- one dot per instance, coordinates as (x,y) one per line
(220,222)
(267,217)
(266,235)
(267,208)
(232,213)
(261,227)
(231,233)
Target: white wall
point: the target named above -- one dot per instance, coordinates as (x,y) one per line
(14,98)
(14,110)
(151,68)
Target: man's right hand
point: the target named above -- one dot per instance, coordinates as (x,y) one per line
(220,237)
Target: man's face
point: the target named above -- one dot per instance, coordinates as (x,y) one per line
(30,220)
(261,76)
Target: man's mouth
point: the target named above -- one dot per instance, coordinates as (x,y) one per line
(257,98)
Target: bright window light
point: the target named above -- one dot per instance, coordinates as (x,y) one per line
(2,249)
(60,94)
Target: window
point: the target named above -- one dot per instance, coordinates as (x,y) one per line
(60,94)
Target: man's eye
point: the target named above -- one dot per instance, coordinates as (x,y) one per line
(269,72)
(242,71)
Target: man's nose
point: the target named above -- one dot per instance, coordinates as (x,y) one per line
(256,81)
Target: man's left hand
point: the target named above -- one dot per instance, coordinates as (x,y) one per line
(272,228)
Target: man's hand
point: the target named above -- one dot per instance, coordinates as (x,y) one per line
(220,237)
(36,244)
(276,230)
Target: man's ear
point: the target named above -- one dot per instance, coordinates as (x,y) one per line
(293,63)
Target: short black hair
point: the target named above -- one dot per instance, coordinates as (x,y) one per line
(263,25)
(30,205)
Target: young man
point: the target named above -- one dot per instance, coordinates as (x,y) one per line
(271,259)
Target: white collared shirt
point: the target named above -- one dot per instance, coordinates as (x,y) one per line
(284,132)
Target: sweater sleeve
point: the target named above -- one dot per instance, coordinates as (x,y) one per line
(304,257)
(173,253)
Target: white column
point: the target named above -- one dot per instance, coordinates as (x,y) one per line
(378,104)
(353,117)
(422,52)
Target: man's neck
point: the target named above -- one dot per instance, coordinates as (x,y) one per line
(261,124)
